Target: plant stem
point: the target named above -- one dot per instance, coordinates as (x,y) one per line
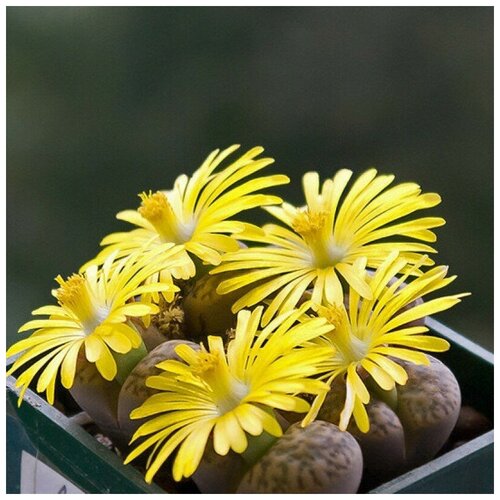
(390,397)
(257,447)
(127,362)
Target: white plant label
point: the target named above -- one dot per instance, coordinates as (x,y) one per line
(37,477)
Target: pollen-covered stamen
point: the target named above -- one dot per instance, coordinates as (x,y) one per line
(312,226)
(226,389)
(309,223)
(74,295)
(335,315)
(156,208)
(351,344)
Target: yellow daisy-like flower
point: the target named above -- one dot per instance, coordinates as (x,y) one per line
(93,312)
(195,213)
(230,395)
(371,333)
(326,238)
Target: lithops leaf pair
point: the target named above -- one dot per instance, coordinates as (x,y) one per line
(409,430)
(428,407)
(317,459)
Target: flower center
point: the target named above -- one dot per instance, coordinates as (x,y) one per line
(74,295)
(156,208)
(314,229)
(356,349)
(226,389)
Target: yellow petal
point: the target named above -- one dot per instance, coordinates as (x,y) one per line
(416,357)
(354,280)
(106,364)
(381,377)
(191,451)
(135,309)
(48,323)
(361,416)
(165,451)
(397,372)
(118,342)
(68,366)
(357,384)
(51,370)
(50,311)
(128,331)
(233,432)
(346,413)
(248,420)
(93,347)
(221,440)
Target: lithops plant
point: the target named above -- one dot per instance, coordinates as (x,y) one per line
(206,311)
(135,391)
(97,396)
(372,336)
(428,407)
(411,431)
(219,473)
(319,458)
(226,395)
(383,446)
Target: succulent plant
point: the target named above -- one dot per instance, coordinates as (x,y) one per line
(219,473)
(135,391)
(428,407)
(206,311)
(319,458)
(97,397)
(383,446)
(330,328)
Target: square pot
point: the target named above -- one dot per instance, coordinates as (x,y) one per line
(38,432)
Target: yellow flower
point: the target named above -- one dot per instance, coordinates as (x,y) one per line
(195,213)
(326,237)
(371,333)
(93,312)
(230,395)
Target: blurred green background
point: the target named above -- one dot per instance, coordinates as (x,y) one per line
(106,102)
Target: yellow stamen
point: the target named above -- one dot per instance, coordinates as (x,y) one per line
(335,315)
(226,389)
(74,295)
(308,222)
(156,208)
(312,226)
